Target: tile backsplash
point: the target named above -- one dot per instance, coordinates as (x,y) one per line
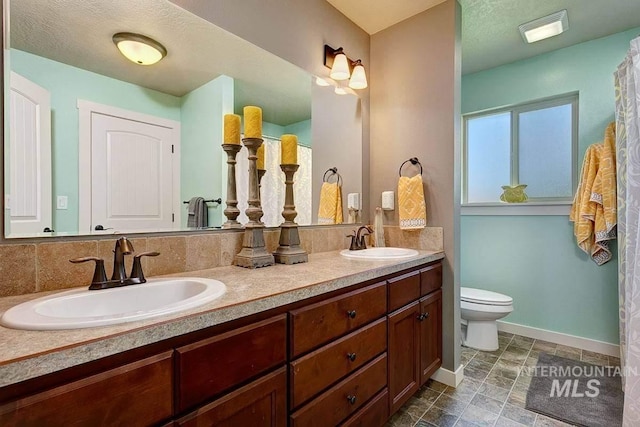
(45,266)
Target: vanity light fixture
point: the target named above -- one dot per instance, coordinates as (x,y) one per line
(545,27)
(140,49)
(343,68)
(322,82)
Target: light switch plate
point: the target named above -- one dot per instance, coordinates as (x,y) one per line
(62,202)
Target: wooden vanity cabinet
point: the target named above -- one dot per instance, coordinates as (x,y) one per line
(415,332)
(350,358)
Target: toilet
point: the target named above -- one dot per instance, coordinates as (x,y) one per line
(479,310)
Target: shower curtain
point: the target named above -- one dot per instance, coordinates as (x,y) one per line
(627,87)
(273,189)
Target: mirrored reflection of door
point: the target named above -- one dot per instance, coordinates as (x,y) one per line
(131,174)
(29,158)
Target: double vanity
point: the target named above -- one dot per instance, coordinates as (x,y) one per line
(335,341)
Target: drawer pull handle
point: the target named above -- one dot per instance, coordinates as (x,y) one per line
(351,314)
(351,399)
(423,316)
(351,356)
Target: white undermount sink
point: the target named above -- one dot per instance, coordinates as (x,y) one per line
(380,254)
(82,308)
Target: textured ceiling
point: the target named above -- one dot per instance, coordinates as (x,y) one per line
(78,33)
(490,35)
(376,15)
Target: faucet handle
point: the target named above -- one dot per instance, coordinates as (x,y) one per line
(99,275)
(136,270)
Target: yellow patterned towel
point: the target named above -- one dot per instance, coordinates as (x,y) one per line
(594,206)
(330,209)
(411,205)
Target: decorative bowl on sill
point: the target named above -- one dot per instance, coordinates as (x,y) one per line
(514,194)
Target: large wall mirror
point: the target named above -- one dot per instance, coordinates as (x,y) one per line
(93,140)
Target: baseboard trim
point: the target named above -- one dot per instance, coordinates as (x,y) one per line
(450,378)
(560,338)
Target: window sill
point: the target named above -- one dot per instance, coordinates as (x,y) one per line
(527,208)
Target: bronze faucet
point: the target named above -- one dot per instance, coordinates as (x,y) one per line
(119,277)
(357,239)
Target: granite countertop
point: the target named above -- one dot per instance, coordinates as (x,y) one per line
(28,354)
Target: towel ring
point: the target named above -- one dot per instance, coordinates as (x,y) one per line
(414,161)
(333,171)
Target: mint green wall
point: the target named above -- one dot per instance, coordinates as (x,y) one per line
(67,84)
(270,129)
(302,130)
(202,158)
(534,259)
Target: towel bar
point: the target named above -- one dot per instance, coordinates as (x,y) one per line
(218,201)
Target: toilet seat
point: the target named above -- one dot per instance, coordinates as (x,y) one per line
(480,296)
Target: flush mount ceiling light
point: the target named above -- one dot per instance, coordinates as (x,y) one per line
(545,27)
(343,68)
(139,49)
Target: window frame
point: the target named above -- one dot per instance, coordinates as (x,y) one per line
(515,110)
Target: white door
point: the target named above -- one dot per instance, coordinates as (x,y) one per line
(131,174)
(29,157)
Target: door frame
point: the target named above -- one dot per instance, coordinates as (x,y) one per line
(85,110)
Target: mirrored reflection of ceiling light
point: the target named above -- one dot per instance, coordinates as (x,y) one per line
(358,77)
(139,49)
(545,27)
(340,68)
(340,90)
(322,82)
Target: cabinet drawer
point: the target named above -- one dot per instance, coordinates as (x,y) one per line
(403,290)
(345,398)
(211,366)
(317,370)
(136,394)
(260,403)
(373,414)
(316,324)
(430,278)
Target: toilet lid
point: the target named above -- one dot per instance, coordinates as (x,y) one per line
(480,296)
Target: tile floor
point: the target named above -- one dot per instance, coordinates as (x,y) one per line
(492,392)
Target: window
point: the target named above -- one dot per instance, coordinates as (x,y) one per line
(533,144)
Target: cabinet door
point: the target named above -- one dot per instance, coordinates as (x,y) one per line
(404,355)
(206,368)
(262,403)
(137,394)
(430,334)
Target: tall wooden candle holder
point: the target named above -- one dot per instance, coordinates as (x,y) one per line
(232,211)
(261,173)
(253,253)
(289,251)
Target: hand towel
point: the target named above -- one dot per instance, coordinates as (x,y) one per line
(197,213)
(594,207)
(330,206)
(411,204)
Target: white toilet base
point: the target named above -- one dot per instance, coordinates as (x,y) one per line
(481,335)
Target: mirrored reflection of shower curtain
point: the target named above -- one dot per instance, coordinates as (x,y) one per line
(627,86)
(272,191)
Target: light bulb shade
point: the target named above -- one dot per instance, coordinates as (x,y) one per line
(340,90)
(322,82)
(139,49)
(358,78)
(340,69)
